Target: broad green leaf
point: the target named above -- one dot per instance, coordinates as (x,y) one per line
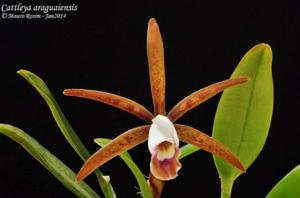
(244,113)
(62,172)
(186,150)
(287,187)
(65,126)
(145,191)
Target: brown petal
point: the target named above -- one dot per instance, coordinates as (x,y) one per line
(113,100)
(155,53)
(193,136)
(117,146)
(201,96)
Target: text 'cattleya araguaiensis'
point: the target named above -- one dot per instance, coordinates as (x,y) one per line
(162,134)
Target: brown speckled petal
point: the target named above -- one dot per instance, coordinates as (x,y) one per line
(193,136)
(201,96)
(117,146)
(113,100)
(155,53)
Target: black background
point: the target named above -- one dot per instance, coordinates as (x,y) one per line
(102,46)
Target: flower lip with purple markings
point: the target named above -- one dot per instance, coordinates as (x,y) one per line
(163,144)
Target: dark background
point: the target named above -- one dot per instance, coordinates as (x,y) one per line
(103,47)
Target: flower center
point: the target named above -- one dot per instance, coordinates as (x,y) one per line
(162,134)
(163,144)
(166,150)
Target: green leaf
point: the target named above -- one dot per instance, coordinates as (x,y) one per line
(287,187)
(187,149)
(62,172)
(244,113)
(145,191)
(65,126)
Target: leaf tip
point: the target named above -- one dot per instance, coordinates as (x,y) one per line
(22,72)
(268,49)
(262,45)
(265,47)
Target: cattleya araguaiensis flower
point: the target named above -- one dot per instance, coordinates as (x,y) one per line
(163,136)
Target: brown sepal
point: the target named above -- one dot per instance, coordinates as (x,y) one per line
(113,100)
(202,95)
(155,54)
(195,137)
(117,146)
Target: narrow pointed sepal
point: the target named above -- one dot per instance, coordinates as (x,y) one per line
(155,54)
(113,100)
(195,137)
(202,95)
(117,146)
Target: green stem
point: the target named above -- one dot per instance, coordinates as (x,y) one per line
(226,187)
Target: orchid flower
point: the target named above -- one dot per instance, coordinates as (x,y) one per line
(162,134)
